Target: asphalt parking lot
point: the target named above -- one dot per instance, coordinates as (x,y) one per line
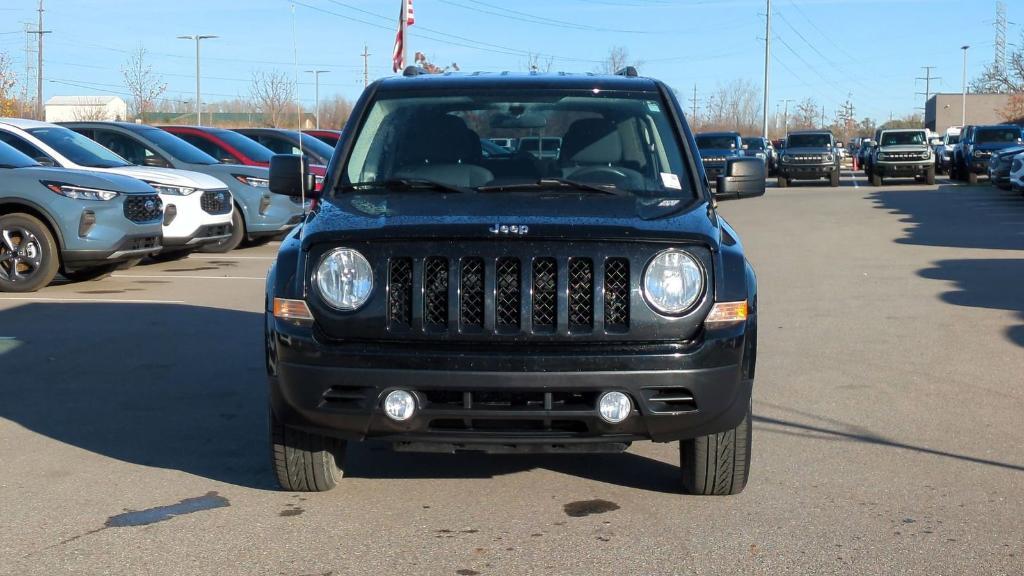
(888,415)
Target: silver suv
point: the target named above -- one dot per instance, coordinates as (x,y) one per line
(81,224)
(902,154)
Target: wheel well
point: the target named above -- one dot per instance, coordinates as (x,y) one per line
(19,208)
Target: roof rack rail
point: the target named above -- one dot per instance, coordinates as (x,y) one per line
(628,71)
(413,71)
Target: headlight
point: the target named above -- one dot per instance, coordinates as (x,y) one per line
(760,155)
(254,181)
(172,190)
(829,158)
(673,281)
(926,155)
(787,158)
(977,154)
(79,192)
(882,156)
(344,279)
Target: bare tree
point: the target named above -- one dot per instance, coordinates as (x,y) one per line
(538,63)
(92,114)
(1008,79)
(735,106)
(144,85)
(617,59)
(273,94)
(334,111)
(807,115)
(8,103)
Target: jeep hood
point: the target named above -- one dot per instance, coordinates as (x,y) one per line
(560,216)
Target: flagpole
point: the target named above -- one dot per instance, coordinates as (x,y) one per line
(405,32)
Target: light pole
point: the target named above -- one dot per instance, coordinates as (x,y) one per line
(963,112)
(199,102)
(767,62)
(785,117)
(316,80)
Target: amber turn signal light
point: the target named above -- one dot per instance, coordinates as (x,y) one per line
(727,313)
(292,310)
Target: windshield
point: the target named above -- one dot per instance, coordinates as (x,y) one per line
(902,138)
(990,135)
(78,148)
(716,142)
(176,147)
(952,138)
(11,158)
(620,140)
(809,141)
(754,143)
(247,146)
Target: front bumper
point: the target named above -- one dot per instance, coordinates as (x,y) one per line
(509,395)
(130,247)
(207,234)
(978,166)
(186,223)
(902,169)
(807,171)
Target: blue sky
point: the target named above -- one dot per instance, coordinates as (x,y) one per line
(872,49)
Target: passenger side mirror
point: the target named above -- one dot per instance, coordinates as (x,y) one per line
(290,175)
(742,178)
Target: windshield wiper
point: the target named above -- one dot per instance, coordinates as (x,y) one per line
(402,184)
(555,184)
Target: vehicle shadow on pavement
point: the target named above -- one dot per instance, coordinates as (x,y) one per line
(163,385)
(985,283)
(957,216)
(626,469)
(184,388)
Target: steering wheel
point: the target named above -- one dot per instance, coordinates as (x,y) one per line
(601,175)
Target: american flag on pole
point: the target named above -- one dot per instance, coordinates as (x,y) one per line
(405,18)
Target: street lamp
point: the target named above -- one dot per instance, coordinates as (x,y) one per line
(316,80)
(963,112)
(199,102)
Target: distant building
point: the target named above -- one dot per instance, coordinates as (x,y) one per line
(78,108)
(945,110)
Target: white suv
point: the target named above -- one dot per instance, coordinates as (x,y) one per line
(197,207)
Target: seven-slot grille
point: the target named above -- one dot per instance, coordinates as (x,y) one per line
(537,295)
(809,158)
(905,156)
(144,208)
(216,201)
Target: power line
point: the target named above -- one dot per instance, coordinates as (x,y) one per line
(534,19)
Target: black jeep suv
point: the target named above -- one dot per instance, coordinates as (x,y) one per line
(438,299)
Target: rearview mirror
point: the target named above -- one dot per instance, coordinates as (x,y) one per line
(742,178)
(290,175)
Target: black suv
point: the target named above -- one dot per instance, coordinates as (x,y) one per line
(976,146)
(808,155)
(441,300)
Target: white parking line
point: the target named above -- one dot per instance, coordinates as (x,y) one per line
(260,278)
(89,300)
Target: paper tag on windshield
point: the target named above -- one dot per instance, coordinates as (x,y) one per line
(669,180)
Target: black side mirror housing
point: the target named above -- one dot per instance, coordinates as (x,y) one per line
(742,178)
(290,175)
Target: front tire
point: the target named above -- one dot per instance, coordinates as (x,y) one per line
(29,257)
(782,182)
(972,178)
(834,179)
(231,242)
(717,464)
(929,176)
(303,461)
(876,179)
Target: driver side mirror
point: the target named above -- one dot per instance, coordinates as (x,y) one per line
(742,178)
(290,175)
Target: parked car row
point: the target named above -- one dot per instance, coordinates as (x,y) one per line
(86,198)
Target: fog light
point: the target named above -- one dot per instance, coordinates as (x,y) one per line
(614,407)
(399,405)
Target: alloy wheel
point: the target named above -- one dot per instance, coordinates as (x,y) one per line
(21,254)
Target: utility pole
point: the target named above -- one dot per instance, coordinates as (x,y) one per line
(199,102)
(1000,44)
(366,66)
(823,117)
(778,110)
(785,116)
(927,85)
(693,101)
(767,63)
(316,80)
(963,99)
(39,32)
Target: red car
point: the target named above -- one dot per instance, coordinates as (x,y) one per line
(230,147)
(330,137)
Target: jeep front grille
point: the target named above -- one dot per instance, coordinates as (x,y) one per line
(143,208)
(557,295)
